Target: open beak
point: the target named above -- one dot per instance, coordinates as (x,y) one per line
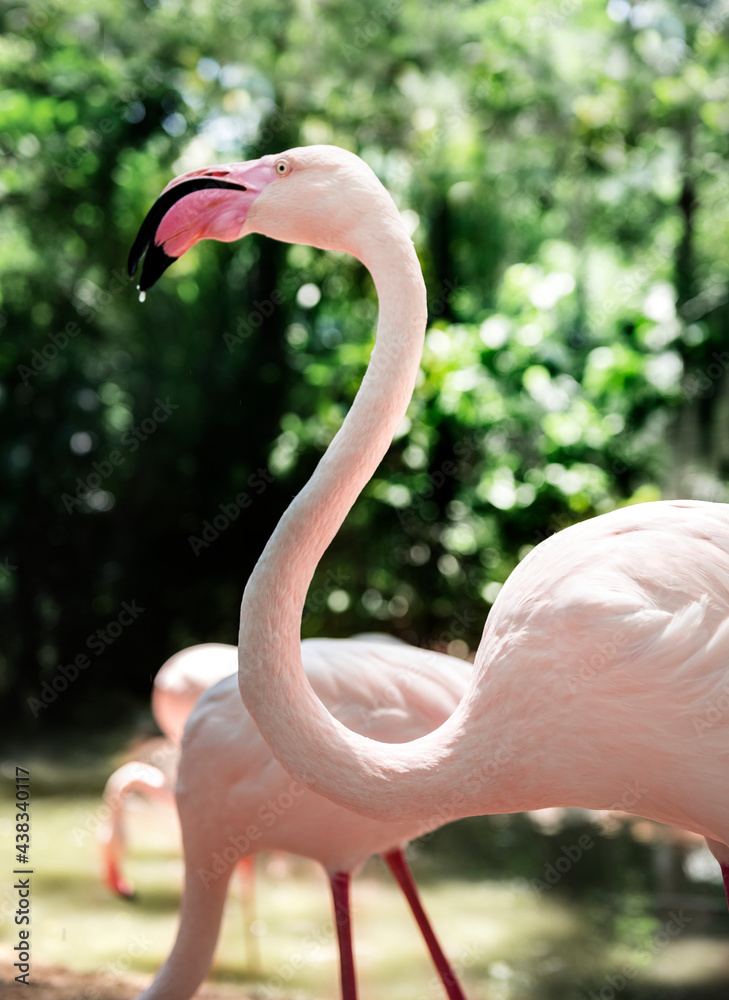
(212,203)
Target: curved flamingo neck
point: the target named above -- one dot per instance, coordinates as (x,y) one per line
(275,595)
(288,562)
(304,737)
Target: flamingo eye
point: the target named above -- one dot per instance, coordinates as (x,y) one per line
(282,167)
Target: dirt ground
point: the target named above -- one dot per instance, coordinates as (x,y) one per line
(52,982)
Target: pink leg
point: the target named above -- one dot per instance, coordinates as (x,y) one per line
(399,868)
(116,881)
(247,878)
(340,893)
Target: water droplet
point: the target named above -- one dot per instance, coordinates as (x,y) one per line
(142,296)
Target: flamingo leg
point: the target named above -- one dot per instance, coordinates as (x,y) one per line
(134,776)
(340,894)
(115,880)
(399,867)
(246,876)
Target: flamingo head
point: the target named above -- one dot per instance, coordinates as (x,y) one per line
(322,196)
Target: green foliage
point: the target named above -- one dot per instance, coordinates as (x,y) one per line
(562,167)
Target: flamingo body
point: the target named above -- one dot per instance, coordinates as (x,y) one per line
(621,624)
(234,799)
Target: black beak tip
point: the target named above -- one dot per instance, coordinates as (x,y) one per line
(132,263)
(143,241)
(156,262)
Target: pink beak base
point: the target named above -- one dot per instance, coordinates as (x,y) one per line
(212,203)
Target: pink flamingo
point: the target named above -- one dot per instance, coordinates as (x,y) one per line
(179,683)
(601,677)
(234,799)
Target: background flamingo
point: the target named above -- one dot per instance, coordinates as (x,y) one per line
(177,686)
(645,588)
(234,799)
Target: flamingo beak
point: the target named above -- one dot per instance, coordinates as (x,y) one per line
(212,203)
